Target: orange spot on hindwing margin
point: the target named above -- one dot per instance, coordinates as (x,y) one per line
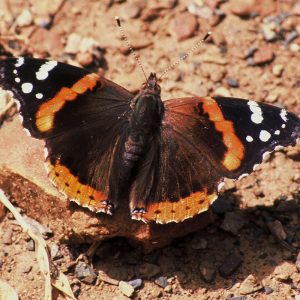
(167,211)
(70,185)
(46,113)
(235,149)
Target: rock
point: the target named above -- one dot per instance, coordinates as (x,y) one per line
(250,285)
(76,290)
(277,70)
(214,58)
(230,264)
(85,59)
(105,278)
(277,229)
(207,272)
(25,18)
(184,26)
(198,243)
(148,270)
(161,281)
(133,10)
(202,11)
(30,245)
(268,290)
(55,252)
(284,271)
(287,206)
(232,82)
(73,43)
(136,283)
(7,236)
(221,91)
(38,227)
(263,55)
(44,41)
(269,31)
(85,273)
(242,8)
(291,36)
(271,98)
(126,288)
(234,222)
(168,289)
(25,268)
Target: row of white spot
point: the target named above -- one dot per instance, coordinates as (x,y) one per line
(257,118)
(41,74)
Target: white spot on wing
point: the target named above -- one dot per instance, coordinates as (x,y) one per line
(20,62)
(17,79)
(15,71)
(277,132)
(283,115)
(44,69)
(255,167)
(249,138)
(283,126)
(39,96)
(27,87)
(256,116)
(264,135)
(278,148)
(45,153)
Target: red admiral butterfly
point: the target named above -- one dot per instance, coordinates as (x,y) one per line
(105,145)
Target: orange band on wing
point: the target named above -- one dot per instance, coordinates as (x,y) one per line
(167,211)
(235,148)
(69,184)
(46,113)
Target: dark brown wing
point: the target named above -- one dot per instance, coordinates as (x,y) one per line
(81,117)
(203,140)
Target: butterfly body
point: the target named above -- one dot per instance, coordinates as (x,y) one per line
(166,159)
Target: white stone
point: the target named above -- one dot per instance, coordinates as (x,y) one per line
(27,87)
(264,135)
(44,69)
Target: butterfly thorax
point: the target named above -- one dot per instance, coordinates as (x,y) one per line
(145,120)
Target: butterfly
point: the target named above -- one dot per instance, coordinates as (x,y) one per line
(167,160)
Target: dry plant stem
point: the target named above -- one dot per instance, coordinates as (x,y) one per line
(43,256)
(6,108)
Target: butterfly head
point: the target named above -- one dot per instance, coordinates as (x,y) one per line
(151,86)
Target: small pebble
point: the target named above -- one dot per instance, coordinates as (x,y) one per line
(184,26)
(268,290)
(230,264)
(54,252)
(7,236)
(199,243)
(232,82)
(234,222)
(30,245)
(25,268)
(126,288)
(269,31)
(168,289)
(207,272)
(136,283)
(250,285)
(25,18)
(221,91)
(277,70)
(263,55)
(162,281)
(85,273)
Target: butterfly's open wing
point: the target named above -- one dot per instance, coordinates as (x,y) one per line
(203,140)
(80,115)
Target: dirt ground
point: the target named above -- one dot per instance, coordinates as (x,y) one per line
(251,250)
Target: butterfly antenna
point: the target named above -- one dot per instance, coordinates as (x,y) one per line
(128,43)
(186,55)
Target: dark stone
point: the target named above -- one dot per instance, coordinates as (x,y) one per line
(162,281)
(232,82)
(230,264)
(207,272)
(85,273)
(136,283)
(233,222)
